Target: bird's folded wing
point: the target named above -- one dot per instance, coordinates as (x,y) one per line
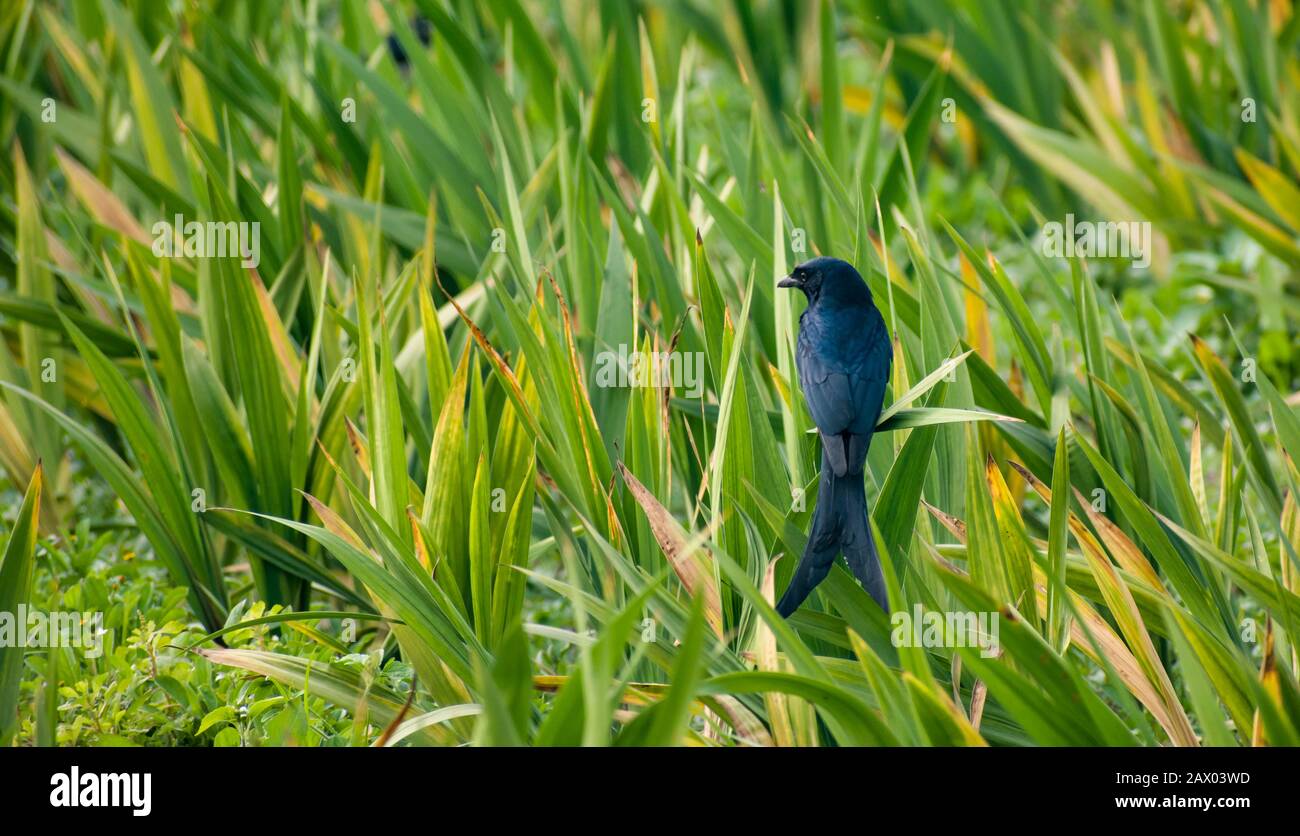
(829,395)
(843,399)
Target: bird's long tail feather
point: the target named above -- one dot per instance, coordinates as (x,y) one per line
(839,524)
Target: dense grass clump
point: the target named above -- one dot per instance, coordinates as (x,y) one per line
(331,338)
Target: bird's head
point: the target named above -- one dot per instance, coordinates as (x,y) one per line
(830,282)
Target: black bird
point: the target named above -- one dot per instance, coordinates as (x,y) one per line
(843,356)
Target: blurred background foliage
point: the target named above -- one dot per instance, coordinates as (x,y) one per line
(371,491)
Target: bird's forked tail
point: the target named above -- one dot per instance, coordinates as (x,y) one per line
(839,524)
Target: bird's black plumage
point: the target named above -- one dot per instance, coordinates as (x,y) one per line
(843,357)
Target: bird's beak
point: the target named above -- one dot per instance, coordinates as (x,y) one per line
(789,281)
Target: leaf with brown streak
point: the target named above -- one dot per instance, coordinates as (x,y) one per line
(692,567)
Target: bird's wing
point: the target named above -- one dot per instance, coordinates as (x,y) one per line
(844,382)
(868,387)
(868,396)
(828,392)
